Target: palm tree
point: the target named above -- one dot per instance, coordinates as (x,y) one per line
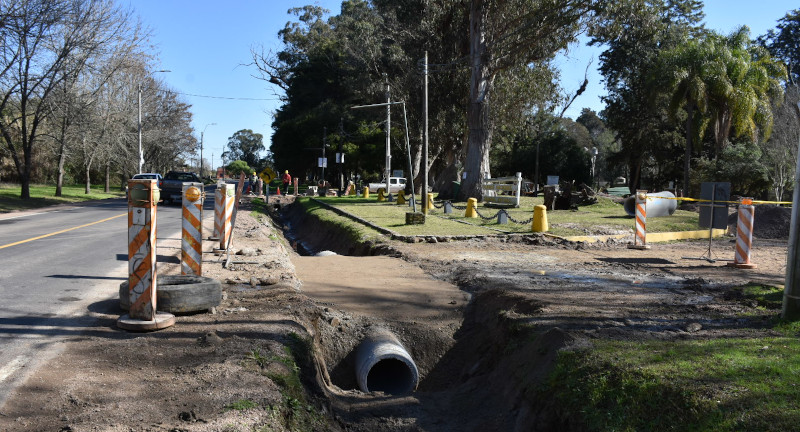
(686,67)
(729,82)
(745,83)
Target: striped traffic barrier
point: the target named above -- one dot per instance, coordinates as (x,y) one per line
(640,236)
(192,232)
(143,197)
(295,185)
(744,235)
(218,204)
(228,199)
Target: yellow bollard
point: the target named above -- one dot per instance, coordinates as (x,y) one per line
(381,196)
(472,203)
(540,219)
(401,197)
(352,189)
(366,192)
(430,201)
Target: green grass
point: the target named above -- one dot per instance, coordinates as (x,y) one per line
(356,231)
(44,196)
(725,384)
(585,220)
(295,410)
(241,405)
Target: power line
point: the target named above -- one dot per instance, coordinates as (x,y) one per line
(220,97)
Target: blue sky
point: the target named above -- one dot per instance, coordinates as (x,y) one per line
(205,44)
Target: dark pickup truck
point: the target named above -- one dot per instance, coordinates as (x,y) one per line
(172,185)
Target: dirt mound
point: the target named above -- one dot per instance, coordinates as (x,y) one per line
(769,222)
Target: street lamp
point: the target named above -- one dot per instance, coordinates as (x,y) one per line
(201,149)
(141,154)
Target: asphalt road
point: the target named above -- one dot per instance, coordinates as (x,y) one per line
(57,266)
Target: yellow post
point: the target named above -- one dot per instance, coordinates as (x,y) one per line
(472,204)
(429,204)
(366,192)
(352,188)
(381,196)
(540,219)
(401,197)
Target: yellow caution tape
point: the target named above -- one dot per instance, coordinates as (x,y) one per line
(652,197)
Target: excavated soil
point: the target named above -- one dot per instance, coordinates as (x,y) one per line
(456,306)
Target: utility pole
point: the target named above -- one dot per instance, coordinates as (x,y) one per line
(139,127)
(791,291)
(388,171)
(324,159)
(340,155)
(425,141)
(201,148)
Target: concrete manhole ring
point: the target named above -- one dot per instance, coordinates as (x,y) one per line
(180,293)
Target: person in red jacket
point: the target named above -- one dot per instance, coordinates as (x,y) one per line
(286,179)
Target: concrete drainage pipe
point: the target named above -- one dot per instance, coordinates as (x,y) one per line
(655,207)
(383,364)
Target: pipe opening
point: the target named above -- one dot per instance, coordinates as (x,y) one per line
(383,364)
(391,376)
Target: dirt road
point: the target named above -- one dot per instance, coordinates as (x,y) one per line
(451,304)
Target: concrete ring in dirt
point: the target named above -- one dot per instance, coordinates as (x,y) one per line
(180,293)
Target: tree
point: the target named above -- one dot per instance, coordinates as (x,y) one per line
(636,105)
(245,145)
(743,87)
(45,42)
(730,79)
(780,151)
(238,167)
(503,35)
(687,65)
(784,44)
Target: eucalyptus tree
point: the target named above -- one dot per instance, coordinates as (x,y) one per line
(784,43)
(245,145)
(502,35)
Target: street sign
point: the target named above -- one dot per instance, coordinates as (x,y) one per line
(267,174)
(322,162)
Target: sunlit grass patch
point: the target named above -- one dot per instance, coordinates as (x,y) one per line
(44,195)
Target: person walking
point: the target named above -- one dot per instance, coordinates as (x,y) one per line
(286,179)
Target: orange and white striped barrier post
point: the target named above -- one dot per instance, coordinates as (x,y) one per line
(192,230)
(640,236)
(143,198)
(228,199)
(218,205)
(744,235)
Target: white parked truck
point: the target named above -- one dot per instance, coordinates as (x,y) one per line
(395,184)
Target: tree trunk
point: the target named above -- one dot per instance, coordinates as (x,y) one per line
(62,156)
(688,156)
(416,164)
(476,165)
(108,177)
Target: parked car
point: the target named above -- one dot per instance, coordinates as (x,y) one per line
(172,185)
(395,184)
(154,176)
(146,176)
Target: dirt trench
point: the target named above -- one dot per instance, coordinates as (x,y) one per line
(477,369)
